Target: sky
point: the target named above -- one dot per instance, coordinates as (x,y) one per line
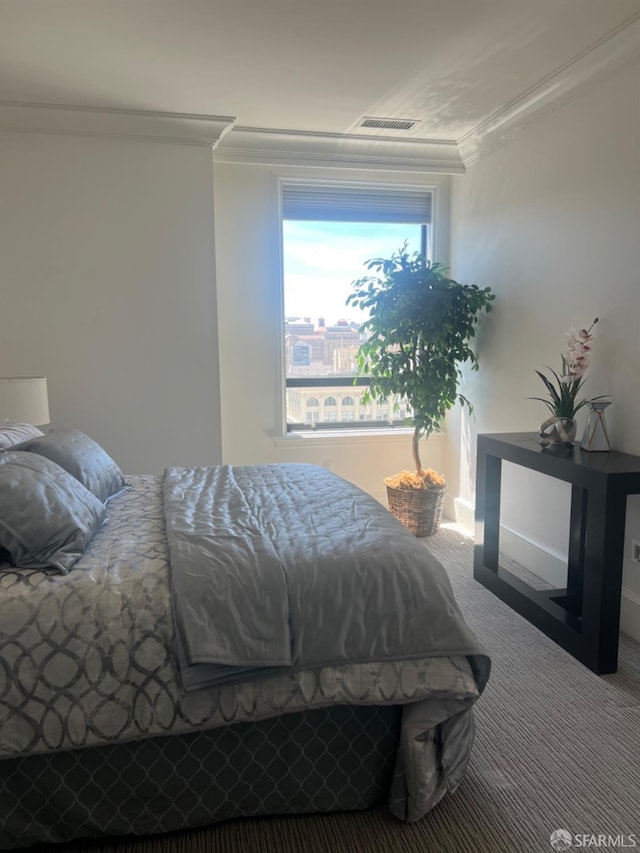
(321,259)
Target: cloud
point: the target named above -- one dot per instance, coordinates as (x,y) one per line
(322,259)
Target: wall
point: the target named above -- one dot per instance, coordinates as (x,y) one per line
(108,290)
(248,264)
(550,221)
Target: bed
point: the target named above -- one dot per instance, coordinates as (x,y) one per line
(338,670)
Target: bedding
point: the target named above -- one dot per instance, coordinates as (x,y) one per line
(327,759)
(89,668)
(47,518)
(293,585)
(14,432)
(81,457)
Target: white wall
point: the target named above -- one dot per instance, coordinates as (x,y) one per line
(248,273)
(107,288)
(550,221)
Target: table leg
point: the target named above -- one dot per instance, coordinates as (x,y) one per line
(602,579)
(577,534)
(488,478)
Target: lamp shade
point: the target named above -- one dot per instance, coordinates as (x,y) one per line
(24,399)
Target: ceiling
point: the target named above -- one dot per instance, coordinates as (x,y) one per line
(295,64)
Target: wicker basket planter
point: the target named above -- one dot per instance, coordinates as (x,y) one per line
(420,510)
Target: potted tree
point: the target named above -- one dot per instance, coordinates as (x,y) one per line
(418,333)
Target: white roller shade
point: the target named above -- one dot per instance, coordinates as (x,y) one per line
(327,203)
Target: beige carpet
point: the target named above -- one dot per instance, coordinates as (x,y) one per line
(556,747)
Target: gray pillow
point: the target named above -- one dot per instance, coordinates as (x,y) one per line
(82,457)
(14,432)
(47,518)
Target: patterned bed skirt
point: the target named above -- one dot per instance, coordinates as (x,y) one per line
(331,759)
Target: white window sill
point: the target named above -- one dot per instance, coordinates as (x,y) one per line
(349,436)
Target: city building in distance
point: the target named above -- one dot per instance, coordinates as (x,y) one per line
(324,350)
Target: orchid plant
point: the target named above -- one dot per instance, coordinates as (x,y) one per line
(563,402)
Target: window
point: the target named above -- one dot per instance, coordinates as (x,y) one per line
(329,233)
(312,401)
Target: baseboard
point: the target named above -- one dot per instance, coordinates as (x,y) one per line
(630,614)
(532,555)
(464,513)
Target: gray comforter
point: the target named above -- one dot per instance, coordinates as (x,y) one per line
(278,566)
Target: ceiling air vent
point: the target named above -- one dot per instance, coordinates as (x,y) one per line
(389,123)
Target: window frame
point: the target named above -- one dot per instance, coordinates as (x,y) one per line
(428,242)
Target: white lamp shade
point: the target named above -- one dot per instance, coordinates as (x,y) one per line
(24,399)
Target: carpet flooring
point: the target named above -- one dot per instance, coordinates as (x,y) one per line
(557,747)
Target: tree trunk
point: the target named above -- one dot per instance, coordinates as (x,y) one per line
(416,451)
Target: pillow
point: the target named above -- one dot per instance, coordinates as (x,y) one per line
(47,518)
(13,432)
(82,457)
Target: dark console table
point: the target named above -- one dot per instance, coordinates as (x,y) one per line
(584,618)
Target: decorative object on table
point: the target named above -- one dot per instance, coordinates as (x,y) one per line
(560,429)
(417,335)
(595,436)
(557,432)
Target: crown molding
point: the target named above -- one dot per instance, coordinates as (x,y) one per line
(607,56)
(180,128)
(259,146)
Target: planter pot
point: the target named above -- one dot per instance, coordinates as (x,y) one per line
(420,510)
